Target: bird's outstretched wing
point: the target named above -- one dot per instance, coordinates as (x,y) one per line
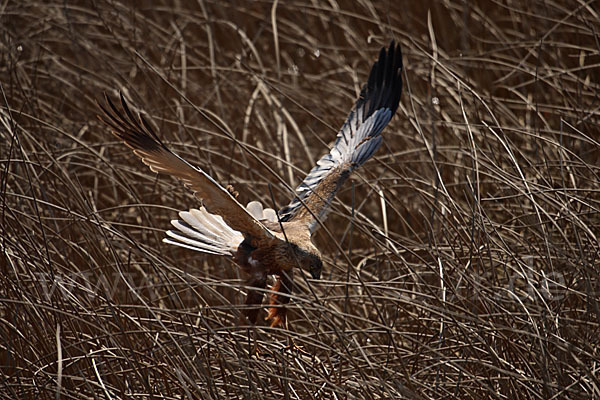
(138,135)
(356,141)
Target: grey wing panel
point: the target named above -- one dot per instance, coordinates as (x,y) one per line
(357,140)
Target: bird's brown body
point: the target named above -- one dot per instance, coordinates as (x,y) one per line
(265,242)
(277,257)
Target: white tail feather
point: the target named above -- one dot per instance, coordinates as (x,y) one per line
(183,241)
(201,231)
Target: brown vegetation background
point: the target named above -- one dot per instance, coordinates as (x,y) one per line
(462,261)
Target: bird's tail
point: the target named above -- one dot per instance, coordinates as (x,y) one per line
(205,232)
(202,231)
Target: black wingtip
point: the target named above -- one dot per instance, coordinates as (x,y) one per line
(384,86)
(137,133)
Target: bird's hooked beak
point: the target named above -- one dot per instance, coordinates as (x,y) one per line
(316,274)
(315,270)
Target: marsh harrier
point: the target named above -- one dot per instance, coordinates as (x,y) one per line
(262,241)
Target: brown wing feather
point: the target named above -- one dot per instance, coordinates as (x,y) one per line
(317,202)
(138,135)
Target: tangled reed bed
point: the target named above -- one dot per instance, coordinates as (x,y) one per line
(462,261)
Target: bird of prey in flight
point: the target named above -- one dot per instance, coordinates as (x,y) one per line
(262,241)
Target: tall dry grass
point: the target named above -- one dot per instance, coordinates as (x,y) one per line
(463,261)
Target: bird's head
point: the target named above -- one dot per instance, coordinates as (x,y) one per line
(312,261)
(309,259)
